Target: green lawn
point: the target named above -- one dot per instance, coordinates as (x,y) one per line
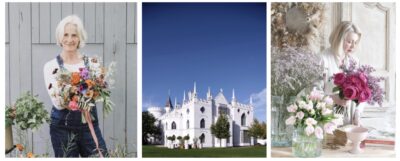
(253,151)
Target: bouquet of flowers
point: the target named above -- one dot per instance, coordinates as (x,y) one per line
(81,90)
(314,114)
(358,84)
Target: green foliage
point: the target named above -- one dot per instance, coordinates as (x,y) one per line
(149,127)
(29,112)
(10,115)
(221,128)
(187,137)
(258,129)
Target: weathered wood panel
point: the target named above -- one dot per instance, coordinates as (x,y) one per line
(99,22)
(90,21)
(115,49)
(131,23)
(66,9)
(131,112)
(55,19)
(44,22)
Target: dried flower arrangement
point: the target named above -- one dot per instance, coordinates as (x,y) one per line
(297,24)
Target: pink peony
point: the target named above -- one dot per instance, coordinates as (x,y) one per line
(350,92)
(73,105)
(364,95)
(339,78)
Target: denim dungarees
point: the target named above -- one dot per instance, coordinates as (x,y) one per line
(69,136)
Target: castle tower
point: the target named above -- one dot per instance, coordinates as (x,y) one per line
(209,96)
(234,101)
(168,105)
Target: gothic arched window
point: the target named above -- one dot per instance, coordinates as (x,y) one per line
(202,109)
(202,138)
(243,120)
(173,126)
(202,123)
(187,124)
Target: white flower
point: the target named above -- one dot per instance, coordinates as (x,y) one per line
(330,127)
(309,105)
(302,104)
(319,133)
(328,100)
(309,130)
(321,105)
(300,115)
(292,108)
(310,121)
(326,111)
(339,119)
(316,95)
(312,112)
(291,120)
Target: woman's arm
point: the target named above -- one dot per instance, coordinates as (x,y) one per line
(49,72)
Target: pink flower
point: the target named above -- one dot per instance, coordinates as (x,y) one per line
(309,130)
(316,95)
(300,115)
(364,95)
(73,105)
(329,127)
(326,111)
(328,100)
(339,78)
(310,121)
(319,133)
(291,120)
(292,108)
(350,92)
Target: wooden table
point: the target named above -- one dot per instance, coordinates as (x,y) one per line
(371,150)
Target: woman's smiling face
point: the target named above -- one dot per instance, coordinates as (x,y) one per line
(70,40)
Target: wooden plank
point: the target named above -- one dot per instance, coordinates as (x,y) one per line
(131,97)
(115,50)
(20,53)
(131,23)
(7,24)
(44,22)
(78,9)
(66,9)
(55,19)
(90,22)
(8,101)
(99,23)
(35,23)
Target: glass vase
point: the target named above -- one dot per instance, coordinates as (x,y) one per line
(305,146)
(280,133)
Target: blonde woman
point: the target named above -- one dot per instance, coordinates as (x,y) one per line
(69,136)
(344,41)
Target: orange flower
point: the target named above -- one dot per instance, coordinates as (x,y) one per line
(90,83)
(20,147)
(75,78)
(89,94)
(30,155)
(95,94)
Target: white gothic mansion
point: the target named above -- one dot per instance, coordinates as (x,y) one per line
(195,115)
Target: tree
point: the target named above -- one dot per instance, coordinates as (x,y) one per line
(149,127)
(257,129)
(221,128)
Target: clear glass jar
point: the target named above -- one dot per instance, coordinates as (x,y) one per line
(305,146)
(280,133)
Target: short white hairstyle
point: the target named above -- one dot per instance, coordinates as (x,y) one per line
(74,20)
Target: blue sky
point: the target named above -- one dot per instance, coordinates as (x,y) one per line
(216,45)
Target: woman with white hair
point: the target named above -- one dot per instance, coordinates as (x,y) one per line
(69,136)
(343,40)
